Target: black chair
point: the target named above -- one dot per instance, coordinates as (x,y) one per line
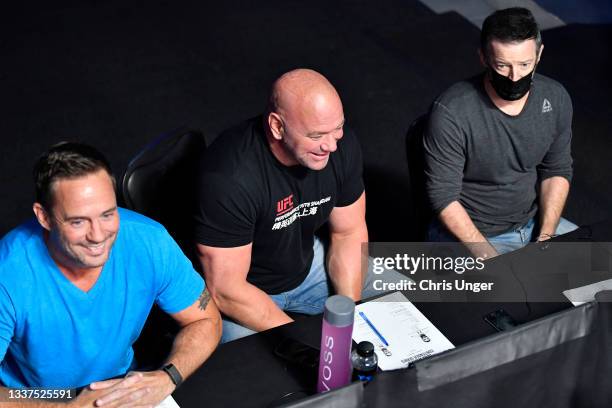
(416,167)
(160,183)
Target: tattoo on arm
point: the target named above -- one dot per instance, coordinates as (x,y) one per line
(204,299)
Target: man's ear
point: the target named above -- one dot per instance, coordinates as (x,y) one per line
(275,123)
(540,53)
(483,59)
(42,216)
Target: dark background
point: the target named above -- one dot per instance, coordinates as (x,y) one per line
(116,74)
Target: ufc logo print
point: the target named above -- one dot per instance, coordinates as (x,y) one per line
(284,205)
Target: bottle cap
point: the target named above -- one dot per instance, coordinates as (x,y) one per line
(365,349)
(339,311)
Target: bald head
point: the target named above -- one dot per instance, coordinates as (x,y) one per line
(302,89)
(304,104)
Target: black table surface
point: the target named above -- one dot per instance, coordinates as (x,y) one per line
(247,373)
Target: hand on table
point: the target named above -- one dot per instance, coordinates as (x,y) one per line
(545,237)
(137,389)
(482,250)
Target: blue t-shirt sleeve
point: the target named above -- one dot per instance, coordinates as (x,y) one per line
(179,285)
(7,321)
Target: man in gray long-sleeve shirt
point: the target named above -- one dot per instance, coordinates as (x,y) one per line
(497,148)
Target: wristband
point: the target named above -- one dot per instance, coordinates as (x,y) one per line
(173,373)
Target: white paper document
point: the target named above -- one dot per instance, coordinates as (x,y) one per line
(400,333)
(587,293)
(169,402)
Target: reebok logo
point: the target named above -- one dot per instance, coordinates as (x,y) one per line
(546,106)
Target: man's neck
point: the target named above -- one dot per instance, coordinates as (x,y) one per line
(82,278)
(512,108)
(278,148)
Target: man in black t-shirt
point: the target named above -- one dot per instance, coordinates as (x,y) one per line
(265,187)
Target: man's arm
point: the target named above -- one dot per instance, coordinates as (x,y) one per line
(7,400)
(553,193)
(226,270)
(348,230)
(444,146)
(86,399)
(556,171)
(458,222)
(199,335)
(7,332)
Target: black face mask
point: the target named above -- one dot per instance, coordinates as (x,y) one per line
(508,89)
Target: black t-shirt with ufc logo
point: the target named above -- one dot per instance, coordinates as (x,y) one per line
(247,196)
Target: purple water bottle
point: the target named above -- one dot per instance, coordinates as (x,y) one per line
(336,340)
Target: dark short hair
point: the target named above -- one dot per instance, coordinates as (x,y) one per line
(509,25)
(66,160)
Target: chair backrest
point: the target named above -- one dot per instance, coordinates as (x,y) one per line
(416,166)
(160,183)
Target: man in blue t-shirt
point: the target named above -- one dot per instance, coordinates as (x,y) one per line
(78,282)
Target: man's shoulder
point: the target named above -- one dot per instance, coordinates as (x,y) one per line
(142,240)
(131,217)
(135,224)
(547,81)
(238,132)
(234,147)
(549,86)
(16,248)
(15,242)
(461,94)
(137,230)
(237,162)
